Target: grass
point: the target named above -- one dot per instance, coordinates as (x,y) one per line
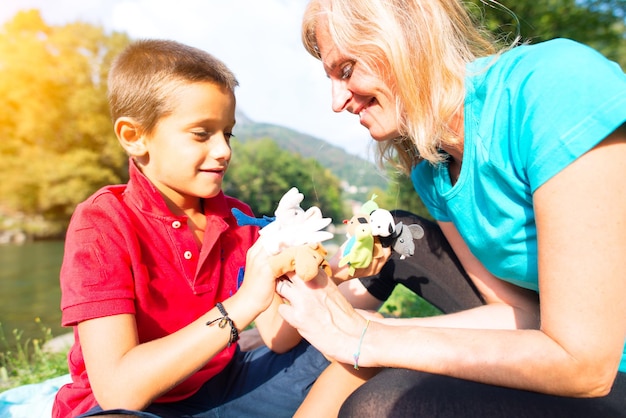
(25,361)
(406,304)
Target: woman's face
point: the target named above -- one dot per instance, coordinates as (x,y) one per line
(358,90)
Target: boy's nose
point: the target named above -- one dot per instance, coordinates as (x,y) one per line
(220,147)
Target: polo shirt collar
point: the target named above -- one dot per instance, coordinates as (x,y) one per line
(144,195)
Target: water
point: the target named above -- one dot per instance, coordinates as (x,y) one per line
(29,289)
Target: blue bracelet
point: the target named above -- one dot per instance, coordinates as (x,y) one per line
(358,350)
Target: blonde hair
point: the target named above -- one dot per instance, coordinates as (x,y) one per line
(422,48)
(143,77)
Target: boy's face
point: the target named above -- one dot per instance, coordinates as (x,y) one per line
(189,150)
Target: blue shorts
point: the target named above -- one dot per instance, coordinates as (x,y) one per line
(257,383)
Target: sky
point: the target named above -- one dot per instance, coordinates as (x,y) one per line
(259,40)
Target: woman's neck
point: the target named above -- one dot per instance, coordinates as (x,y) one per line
(455,151)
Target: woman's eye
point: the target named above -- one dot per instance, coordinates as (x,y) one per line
(346,71)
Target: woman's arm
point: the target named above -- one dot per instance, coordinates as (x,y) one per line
(507,306)
(576,348)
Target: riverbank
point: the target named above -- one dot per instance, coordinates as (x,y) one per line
(60,344)
(19,228)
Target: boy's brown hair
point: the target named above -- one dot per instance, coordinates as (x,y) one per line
(144,75)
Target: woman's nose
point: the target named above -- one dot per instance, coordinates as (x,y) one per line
(340,95)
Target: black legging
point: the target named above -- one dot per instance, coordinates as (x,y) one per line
(435,274)
(401,393)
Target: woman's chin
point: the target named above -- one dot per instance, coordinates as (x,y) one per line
(382,137)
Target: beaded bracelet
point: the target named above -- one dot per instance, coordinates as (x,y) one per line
(358,350)
(225,319)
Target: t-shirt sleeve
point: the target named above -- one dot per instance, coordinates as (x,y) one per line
(96,278)
(570,98)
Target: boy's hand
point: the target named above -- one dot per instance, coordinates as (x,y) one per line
(259,283)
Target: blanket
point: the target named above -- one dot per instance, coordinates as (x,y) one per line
(31,401)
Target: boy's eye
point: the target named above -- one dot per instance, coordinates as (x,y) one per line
(203,135)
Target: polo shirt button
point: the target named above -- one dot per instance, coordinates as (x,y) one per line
(176,224)
(187,255)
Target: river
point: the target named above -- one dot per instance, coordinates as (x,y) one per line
(29,289)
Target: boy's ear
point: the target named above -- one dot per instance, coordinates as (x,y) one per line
(129,133)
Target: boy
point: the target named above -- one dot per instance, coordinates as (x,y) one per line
(153,273)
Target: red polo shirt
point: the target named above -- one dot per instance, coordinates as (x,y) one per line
(125,253)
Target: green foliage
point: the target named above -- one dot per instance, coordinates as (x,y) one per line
(25,361)
(353,170)
(401,195)
(261,172)
(406,304)
(57,182)
(597,23)
(58,146)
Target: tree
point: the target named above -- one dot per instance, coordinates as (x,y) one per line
(597,23)
(401,195)
(58,145)
(261,172)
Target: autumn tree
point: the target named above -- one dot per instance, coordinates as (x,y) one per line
(58,146)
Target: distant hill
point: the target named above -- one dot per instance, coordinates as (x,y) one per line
(357,172)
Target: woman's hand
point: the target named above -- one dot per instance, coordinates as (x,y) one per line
(322,316)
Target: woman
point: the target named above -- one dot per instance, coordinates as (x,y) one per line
(519,154)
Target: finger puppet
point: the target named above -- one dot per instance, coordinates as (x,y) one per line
(358,250)
(243,219)
(293,225)
(295,232)
(305,260)
(372,229)
(382,222)
(401,240)
(370,206)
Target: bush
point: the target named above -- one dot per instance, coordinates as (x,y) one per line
(25,361)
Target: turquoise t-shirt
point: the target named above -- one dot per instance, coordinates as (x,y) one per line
(528,114)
